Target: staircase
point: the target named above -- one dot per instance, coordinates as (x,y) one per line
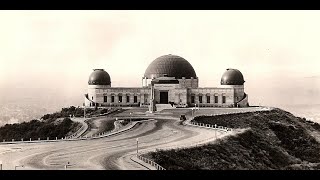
(160,107)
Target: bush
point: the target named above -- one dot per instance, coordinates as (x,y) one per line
(276,140)
(36,129)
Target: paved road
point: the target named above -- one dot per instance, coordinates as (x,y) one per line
(113,152)
(82,130)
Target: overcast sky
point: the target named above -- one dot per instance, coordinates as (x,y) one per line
(57,50)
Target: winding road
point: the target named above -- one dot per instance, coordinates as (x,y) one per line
(111,153)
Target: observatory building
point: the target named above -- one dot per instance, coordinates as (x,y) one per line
(169,82)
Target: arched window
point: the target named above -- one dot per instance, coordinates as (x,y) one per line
(192,98)
(216,98)
(120,98)
(208,98)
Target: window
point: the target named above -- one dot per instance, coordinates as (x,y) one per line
(146,98)
(215,98)
(192,99)
(105,98)
(200,99)
(135,99)
(128,98)
(208,99)
(112,98)
(223,99)
(120,99)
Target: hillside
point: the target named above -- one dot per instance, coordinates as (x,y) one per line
(37,129)
(275,140)
(53,125)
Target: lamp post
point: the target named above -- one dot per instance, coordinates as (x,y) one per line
(215,131)
(137,146)
(84,112)
(130,116)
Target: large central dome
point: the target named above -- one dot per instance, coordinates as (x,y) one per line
(170,66)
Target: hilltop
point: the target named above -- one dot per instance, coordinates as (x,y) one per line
(275,139)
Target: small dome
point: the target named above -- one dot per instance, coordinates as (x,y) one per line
(232,77)
(170,66)
(99,77)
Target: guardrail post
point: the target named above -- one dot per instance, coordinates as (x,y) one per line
(56,138)
(4,140)
(21,139)
(38,139)
(30,139)
(12,140)
(48,138)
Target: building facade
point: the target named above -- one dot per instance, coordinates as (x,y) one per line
(169,82)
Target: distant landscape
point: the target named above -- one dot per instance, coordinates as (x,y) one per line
(298,96)
(19,105)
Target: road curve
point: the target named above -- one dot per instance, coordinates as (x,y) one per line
(114,152)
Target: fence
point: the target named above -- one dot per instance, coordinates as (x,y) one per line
(199,143)
(66,138)
(73,138)
(152,163)
(210,126)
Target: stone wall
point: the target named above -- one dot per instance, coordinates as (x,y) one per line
(180,96)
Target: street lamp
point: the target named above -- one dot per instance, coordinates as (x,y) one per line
(15,167)
(215,131)
(137,146)
(130,116)
(193,110)
(84,112)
